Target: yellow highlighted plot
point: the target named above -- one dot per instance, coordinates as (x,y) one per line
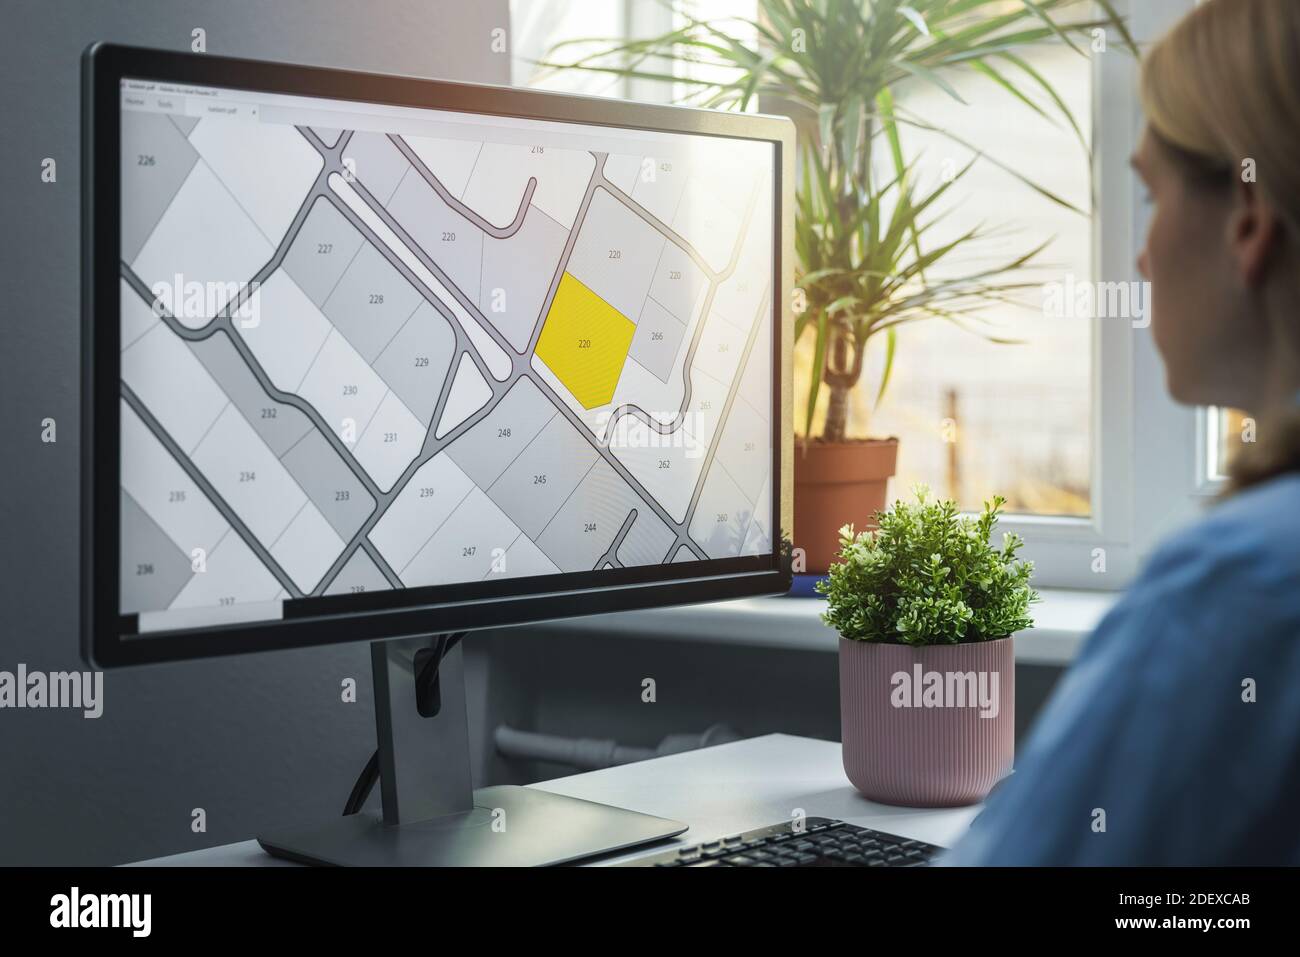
(584,341)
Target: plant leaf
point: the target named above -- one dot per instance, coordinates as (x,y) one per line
(818,370)
(891,341)
(1051,24)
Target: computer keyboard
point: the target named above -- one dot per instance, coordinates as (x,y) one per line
(820,842)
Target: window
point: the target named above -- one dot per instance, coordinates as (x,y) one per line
(1072,425)
(1226,430)
(975,417)
(537,25)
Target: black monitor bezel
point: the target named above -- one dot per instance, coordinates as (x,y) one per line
(489,604)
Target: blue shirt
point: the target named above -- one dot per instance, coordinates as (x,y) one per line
(1153,724)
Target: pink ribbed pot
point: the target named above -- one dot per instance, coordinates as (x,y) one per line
(915,740)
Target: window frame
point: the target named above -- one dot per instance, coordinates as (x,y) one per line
(1148,464)
(1209,451)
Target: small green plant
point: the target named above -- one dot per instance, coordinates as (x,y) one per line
(928,576)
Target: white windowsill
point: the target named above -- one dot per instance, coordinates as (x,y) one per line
(1063,619)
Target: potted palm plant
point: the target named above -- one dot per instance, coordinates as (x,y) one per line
(926,609)
(866,263)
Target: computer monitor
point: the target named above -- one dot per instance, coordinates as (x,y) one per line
(373,358)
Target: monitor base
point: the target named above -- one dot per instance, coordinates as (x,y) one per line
(509,826)
(432,816)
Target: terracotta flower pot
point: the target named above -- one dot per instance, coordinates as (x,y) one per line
(913,739)
(835,484)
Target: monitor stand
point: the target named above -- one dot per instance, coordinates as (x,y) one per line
(431,814)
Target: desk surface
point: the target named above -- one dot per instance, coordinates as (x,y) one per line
(717,791)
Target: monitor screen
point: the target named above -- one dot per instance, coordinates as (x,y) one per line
(370,353)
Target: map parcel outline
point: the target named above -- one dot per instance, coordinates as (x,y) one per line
(432,359)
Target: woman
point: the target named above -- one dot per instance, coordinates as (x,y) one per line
(1175,738)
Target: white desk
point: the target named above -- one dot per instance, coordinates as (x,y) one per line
(717,791)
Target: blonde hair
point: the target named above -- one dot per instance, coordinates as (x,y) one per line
(1221,94)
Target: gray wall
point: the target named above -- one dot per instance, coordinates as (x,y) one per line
(256,740)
